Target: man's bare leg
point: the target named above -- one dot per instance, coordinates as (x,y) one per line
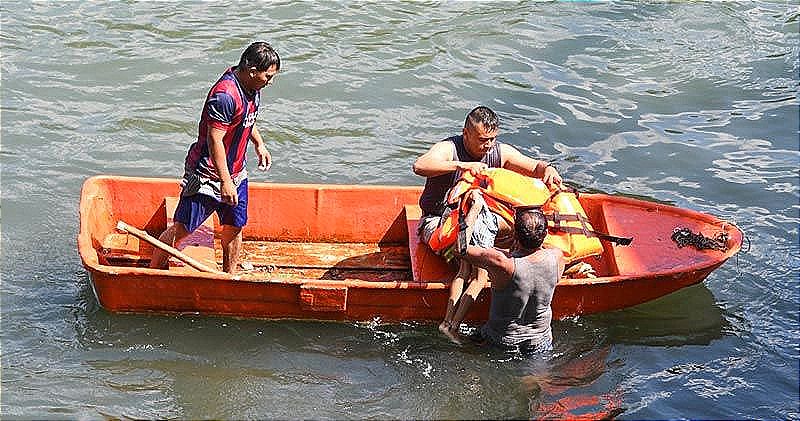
(231,246)
(171,236)
(456,289)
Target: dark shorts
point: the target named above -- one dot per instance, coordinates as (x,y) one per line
(193,210)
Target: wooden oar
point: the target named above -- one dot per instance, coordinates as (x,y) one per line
(122,226)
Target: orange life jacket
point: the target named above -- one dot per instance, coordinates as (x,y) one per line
(569,227)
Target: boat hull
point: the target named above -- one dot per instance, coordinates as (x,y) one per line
(183,295)
(351,253)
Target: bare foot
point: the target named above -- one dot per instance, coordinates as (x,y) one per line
(453,335)
(444,327)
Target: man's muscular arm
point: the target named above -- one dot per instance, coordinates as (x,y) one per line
(439,160)
(515,161)
(216,148)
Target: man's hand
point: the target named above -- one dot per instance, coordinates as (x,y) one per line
(473,167)
(264,157)
(228,193)
(551,177)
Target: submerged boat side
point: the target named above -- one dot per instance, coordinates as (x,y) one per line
(336,252)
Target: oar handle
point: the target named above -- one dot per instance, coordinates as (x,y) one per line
(143,235)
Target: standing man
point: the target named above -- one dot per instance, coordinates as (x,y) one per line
(523,282)
(215,173)
(474,150)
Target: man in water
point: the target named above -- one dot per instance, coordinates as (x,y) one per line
(215,174)
(523,282)
(474,150)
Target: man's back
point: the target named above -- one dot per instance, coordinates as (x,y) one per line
(520,313)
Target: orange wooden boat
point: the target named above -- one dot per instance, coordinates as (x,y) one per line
(344,252)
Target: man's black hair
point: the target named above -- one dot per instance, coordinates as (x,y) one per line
(260,55)
(482,115)
(530,227)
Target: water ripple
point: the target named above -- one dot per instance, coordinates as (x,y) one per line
(692,104)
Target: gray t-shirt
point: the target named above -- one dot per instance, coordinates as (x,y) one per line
(520,313)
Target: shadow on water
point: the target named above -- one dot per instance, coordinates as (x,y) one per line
(689,316)
(218,367)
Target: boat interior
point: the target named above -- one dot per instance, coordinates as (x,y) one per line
(335,232)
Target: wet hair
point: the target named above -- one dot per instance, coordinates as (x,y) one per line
(260,55)
(530,227)
(482,115)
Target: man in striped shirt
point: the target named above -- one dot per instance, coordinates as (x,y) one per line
(215,173)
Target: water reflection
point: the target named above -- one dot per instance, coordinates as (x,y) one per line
(209,367)
(689,316)
(582,380)
(564,388)
(193,366)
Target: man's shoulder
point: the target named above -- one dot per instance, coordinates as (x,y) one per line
(225,85)
(446,144)
(226,92)
(451,139)
(548,255)
(555,253)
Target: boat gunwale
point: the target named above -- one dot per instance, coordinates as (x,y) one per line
(147,273)
(90,255)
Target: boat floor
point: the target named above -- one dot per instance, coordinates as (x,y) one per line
(276,259)
(362,261)
(392,262)
(377,262)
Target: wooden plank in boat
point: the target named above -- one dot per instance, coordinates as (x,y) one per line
(124,249)
(364,256)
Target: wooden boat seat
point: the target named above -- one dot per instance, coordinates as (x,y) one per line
(426,266)
(123,249)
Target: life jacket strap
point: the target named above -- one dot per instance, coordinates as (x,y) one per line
(562,189)
(557,218)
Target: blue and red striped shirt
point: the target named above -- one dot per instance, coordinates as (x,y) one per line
(228,107)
